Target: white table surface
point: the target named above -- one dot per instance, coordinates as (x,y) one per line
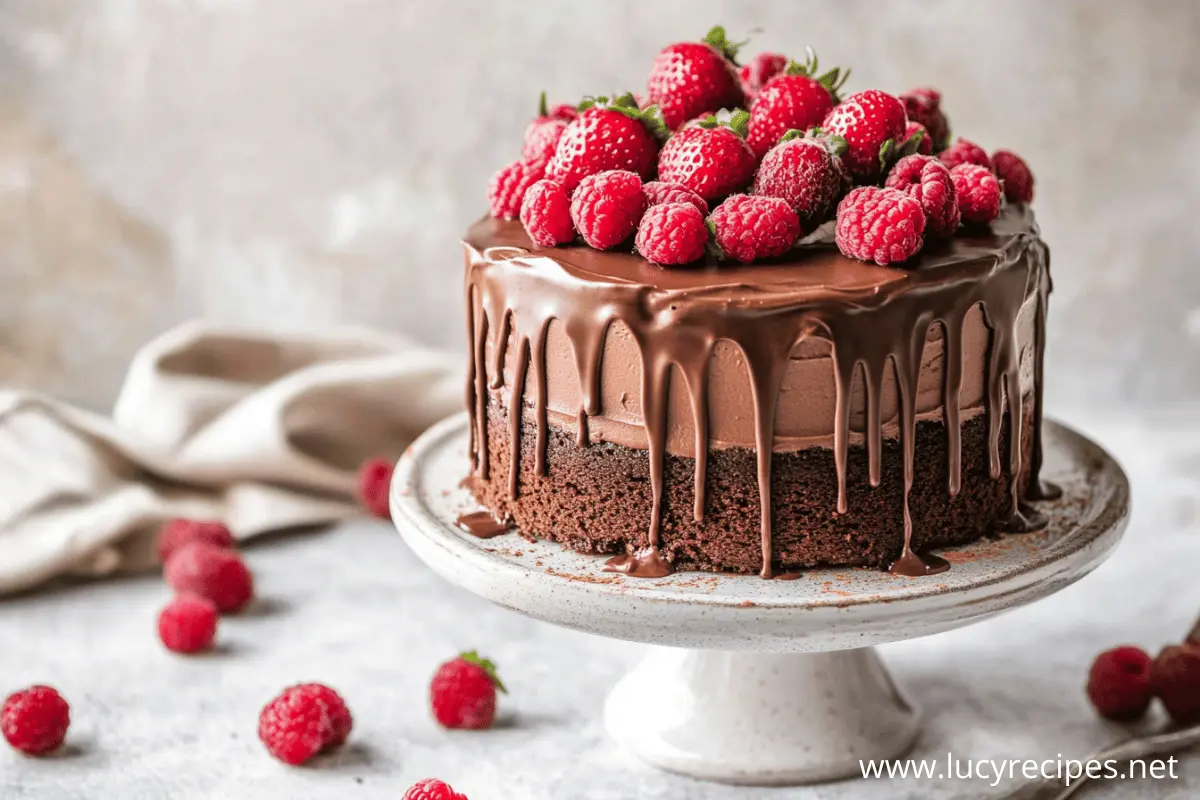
(354,608)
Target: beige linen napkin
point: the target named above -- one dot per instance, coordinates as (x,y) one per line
(262,430)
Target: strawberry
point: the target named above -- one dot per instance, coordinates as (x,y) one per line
(872,123)
(689,79)
(607,135)
(761,69)
(924,105)
(710,157)
(805,171)
(792,99)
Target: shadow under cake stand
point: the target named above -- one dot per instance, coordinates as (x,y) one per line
(757,681)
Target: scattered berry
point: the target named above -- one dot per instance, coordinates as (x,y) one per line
(926,180)
(35,720)
(188,624)
(1015,176)
(178,532)
(750,227)
(508,185)
(754,75)
(216,574)
(807,173)
(546,214)
(295,725)
(431,789)
(463,692)
(688,79)
(340,720)
(672,233)
(1119,683)
(605,136)
(978,192)
(709,157)
(792,99)
(374,484)
(924,106)
(1175,677)
(965,152)
(607,206)
(662,192)
(916,132)
(873,124)
(881,225)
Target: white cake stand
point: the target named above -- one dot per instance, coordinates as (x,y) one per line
(755,681)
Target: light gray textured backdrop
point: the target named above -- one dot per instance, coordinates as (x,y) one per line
(306,161)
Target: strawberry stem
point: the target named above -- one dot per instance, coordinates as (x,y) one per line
(542,109)
(716,38)
(473,657)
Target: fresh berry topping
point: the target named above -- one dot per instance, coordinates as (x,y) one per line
(546,214)
(431,789)
(295,725)
(188,624)
(807,173)
(1119,683)
(662,192)
(762,68)
(709,157)
(881,225)
(463,692)
(965,152)
(749,227)
(340,720)
(607,135)
(978,192)
(1175,677)
(1015,176)
(178,532)
(672,233)
(872,123)
(563,111)
(374,483)
(213,573)
(607,207)
(792,99)
(688,79)
(916,140)
(35,720)
(926,180)
(924,106)
(508,185)
(541,140)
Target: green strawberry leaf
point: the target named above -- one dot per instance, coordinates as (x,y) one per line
(887,155)
(910,145)
(716,38)
(473,657)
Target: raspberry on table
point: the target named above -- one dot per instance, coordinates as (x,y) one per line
(374,484)
(1175,677)
(546,214)
(928,181)
(431,789)
(463,692)
(607,207)
(672,234)
(35,720)
(1119,683)
(304,720)
(341,722)
(188,624)
(659,192)
(750,227)
(978,193)
(211,572)
(1015,175)
(965,152)
(881,225)
(178,532)
(508,186)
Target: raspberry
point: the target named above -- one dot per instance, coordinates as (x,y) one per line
(672,233)
(759,70)
(295,726)
(431,789)
(546,214)
(541,140)
(923,106)
(805,172)
(925,145)
(374,483)
(663,192)
(1119,683)
(607,207)
(1014,174)
(978,193)
(178,532)
(1175,677)
(463,692)
(340,719)
(35,720)
(881,225)
(216,574)
(926,180)
(188,624)
(965,152)
(507,187)
(749,227)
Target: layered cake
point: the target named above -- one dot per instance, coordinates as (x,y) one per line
(804,333)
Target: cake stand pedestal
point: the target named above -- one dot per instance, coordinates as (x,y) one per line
(754,681)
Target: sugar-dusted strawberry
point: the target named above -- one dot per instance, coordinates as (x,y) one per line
(688,79)
(795,98)
(542,135)
(507,188)
(546,214)
(807,173)
(873,124)
(978,192)
(607,135)
(924,105)
(759,70)
(710,157)
(607,207)
(658,192)
(1014,173)
(965,152)
(926,180)
(750,227)
(916,140)
(881,225)
(672,234)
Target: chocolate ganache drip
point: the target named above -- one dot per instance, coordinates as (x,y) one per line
(875,320)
